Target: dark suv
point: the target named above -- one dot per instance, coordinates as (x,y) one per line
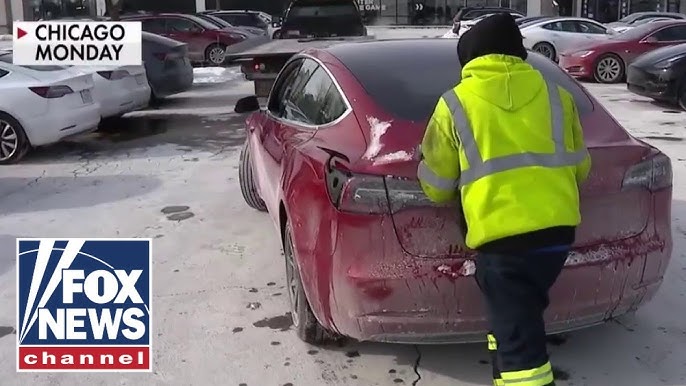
(207,42)
(321,18)
(469,13)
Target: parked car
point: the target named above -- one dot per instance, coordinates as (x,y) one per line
(550,36)
(660,74)
(41,105)
(117,89)
(529,19)
(221,23)
(315,19)
(629,21)
(639,22)
(332,160)
(606,60)
(207,43)
(244,18)
(167,65)
(469,13)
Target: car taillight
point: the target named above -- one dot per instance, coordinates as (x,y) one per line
(113,75)
(372,194)
(652,174)
(52,91)
(259,67)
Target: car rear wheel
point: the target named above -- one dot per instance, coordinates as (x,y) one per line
(247,181)
(14,144)
(545,49)
(609,69)
(306,325)
(215,54)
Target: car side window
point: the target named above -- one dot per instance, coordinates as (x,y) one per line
(590,28)
(179,25)
(282,87)
(3,73)
(333,105)
(671,34)
(552,26)
(153,25)
(309,101)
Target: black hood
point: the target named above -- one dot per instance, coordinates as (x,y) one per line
(497,34)
(660,54)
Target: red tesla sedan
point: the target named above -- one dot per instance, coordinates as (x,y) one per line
(606,60)
(332,159)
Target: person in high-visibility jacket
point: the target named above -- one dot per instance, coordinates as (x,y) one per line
(508,143)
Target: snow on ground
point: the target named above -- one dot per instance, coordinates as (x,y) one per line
(219,289)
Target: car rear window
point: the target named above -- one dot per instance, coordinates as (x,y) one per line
(323,10)
(7,58)
(408,84)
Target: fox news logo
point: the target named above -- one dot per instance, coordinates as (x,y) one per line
(84,304)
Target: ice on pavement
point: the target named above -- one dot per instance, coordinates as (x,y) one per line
(216,74)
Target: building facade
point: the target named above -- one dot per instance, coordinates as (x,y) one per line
(376,12)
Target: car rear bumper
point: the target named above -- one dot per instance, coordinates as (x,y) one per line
(435,301)
(172,82)
(60,124)
(576,66)
(116,101)
(656,84)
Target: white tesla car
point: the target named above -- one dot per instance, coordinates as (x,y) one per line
(548,37)
(40,105)
(118,90)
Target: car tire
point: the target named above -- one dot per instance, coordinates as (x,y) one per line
(546,49)
(609,68)
(215,54)
(247,181)
(14,144)
(306,325)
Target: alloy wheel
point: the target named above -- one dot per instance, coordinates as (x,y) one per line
(292,280)
(9,141)
(217,55)
(608,69)
(545,50)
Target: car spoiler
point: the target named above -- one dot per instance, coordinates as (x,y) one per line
(264,46)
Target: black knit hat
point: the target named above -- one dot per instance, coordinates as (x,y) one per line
(497,34)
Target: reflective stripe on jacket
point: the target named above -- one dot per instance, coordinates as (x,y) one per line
(511,144)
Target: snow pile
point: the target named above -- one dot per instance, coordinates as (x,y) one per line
(216,74)
(378,130)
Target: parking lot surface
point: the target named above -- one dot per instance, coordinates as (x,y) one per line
(220,305)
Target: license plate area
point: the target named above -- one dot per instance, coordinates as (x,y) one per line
(86,97)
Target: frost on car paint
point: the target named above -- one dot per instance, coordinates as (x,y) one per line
(397,156)
(378,129)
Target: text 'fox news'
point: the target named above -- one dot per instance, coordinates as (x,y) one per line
(84,304)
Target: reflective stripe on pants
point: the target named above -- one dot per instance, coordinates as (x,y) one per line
(539,376)
(479,168)
(493,351)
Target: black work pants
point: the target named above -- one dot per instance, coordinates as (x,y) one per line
(515,287)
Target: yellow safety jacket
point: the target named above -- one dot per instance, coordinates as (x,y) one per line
(511,144)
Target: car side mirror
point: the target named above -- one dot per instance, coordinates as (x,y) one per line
(247,105)
(650,39)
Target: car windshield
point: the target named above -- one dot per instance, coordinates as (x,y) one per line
(629,18)
(7,58)
(333,10)
(217,21)
(409,85)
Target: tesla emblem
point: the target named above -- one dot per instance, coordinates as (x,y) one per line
(418,7)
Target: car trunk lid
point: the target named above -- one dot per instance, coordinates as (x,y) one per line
(424,229)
